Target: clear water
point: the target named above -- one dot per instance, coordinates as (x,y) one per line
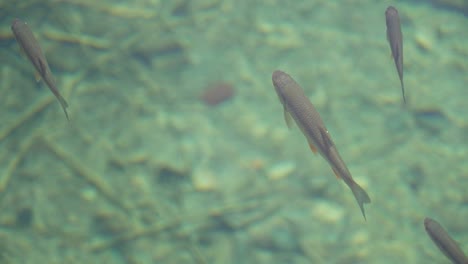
(148,172)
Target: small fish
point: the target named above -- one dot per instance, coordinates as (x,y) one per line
(33,51)
(444,242)
(395,39)
(298,107)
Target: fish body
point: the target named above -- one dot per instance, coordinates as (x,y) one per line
(444,242)
(30,46)
(299,108)
(395,40)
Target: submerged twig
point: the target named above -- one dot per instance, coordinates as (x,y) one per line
(23,150)
(84,173)
(82,40)
(173,223)
(250,214)
(135,234)
(123,11)
(29,114)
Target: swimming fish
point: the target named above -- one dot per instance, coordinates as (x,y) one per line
(444,242)
(33,51)
(297,106)
(395,39)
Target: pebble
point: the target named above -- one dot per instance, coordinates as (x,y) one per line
(424,41)
(204,180)
(88,194)
(217,93)
(328,212)
(281,170)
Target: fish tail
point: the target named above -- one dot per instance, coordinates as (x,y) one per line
(51,83)
(64,105)
(361,196)
(403,91)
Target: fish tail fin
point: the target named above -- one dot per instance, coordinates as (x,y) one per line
(51,83)
(361,197)
(403,90)
(64,105)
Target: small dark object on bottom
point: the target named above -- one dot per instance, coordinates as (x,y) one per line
(217,93)
(24,217)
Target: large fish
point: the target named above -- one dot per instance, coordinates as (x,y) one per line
(395,40)
(298,107)
(444,242)
(33,51)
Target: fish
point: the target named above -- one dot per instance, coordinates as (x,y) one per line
(395,40)
(297,107)
(30,46)
(444,242)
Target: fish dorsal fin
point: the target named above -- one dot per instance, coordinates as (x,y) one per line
(288,118)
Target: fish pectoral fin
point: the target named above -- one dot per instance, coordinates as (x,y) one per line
(288,118)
